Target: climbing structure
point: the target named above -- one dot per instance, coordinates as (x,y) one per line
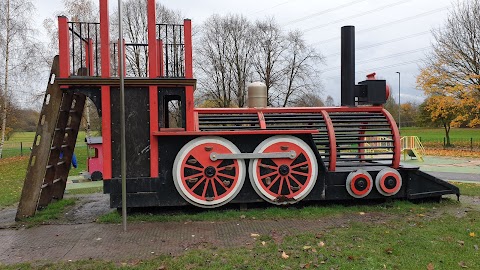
(210,157)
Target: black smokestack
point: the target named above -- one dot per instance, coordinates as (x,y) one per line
(348,65)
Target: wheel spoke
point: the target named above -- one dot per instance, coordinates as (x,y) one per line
(299,164)
(288,185)
(230,177)
(296,181)
(268,174)
(205,188)
(195,175)
(215,194)
(192,167)
(301,173)
(198,183)
(281,186)
(273,182)
(221,183)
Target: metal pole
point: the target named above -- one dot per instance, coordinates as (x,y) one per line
(399,104)
(123,154)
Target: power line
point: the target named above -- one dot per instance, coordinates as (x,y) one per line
(382,57)
(283,3)
(389,23)
(323,12)
(357,15)
(381,68)
(383,42)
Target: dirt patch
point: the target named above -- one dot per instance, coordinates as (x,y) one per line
(86,209)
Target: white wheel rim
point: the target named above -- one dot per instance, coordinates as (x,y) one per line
(180,183)
(379,177)
(310,180)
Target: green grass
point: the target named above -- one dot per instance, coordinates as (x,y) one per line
(53,211)
(12,173)
(434,136)
(414,241)
(273,212)
(90,190)
(468,189)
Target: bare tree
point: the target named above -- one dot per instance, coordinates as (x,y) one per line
(223,59)
(18,50)
(457,44)
(329,101)
(135,23)
(301,70)
(271,45)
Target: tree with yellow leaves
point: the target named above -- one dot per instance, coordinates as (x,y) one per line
(451,77)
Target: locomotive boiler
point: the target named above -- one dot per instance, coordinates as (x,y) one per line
(214,156)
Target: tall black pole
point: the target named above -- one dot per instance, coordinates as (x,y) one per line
(348,66)
(399,104)
(123,152)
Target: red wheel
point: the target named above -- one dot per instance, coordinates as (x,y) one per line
(284,180)
(359,183)
(388,182)
(203,182)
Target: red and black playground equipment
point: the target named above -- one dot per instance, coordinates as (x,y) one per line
(213,156)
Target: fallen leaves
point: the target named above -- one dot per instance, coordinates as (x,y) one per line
(284,255)
(430,266)
(389,250)
(307,247)
(321,244)
(255,235)
(471,234)
(361,213)
(462,264)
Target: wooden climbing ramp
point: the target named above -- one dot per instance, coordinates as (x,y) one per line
(52,148)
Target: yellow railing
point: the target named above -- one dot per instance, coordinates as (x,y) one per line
(412,146)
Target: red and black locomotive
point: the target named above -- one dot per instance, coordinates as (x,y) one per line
(216,156)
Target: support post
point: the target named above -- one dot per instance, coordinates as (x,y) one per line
(89,56)
(153,71)
(63,47)
(105,89)
(189,102)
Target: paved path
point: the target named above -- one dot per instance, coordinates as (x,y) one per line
(145,240)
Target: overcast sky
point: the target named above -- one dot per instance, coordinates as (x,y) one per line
(392,35)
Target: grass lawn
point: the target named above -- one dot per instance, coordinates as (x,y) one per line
(12,173)
(468,189)
(414,240)
(434,136)
(53,211)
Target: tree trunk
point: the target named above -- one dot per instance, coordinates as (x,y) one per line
(5,92)
(447,134)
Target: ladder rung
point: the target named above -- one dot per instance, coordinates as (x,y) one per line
(57,180)
(45,185)
(64,145)
(60,162)
(49,166)
(58,129)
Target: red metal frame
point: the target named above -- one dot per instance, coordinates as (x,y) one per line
(89,56)
(261,120)
(63,47)
(332,165)
(153,89)
(106,113)
(396,139)
(189,101)
(288,110)
(236,132)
